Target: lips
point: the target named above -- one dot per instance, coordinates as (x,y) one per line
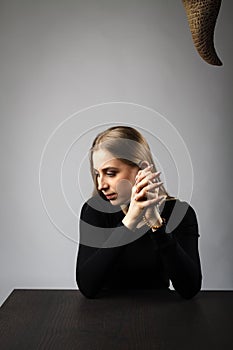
(110,196)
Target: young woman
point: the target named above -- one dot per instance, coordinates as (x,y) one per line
(132,233)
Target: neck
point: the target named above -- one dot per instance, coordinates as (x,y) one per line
(124,208)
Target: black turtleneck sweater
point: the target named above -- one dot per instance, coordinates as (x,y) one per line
(110,256)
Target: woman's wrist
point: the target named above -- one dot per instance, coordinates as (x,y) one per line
(129,223)
(156,224)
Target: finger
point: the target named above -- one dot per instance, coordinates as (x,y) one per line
(148,192)
(150,178)
(153,185)
(162,200)
(158,205)
(149,167)
(149,175)
(149,188)
(150,202)
(142,177)
(141,173)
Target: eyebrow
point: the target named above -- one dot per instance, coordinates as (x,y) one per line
(107,168)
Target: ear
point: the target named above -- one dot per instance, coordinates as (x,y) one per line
(143,164)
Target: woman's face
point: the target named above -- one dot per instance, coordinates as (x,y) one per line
(114,178)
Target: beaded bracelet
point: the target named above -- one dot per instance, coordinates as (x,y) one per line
(152,226)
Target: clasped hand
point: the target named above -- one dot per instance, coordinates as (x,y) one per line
(145,197)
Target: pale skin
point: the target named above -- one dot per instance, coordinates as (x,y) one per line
(129,185)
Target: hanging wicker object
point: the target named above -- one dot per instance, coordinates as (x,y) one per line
(202,16)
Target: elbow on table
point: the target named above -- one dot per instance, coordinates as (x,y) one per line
(86,291)
(189,293)
(88,294)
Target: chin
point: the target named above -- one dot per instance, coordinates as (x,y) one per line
(114,202)
(120,202)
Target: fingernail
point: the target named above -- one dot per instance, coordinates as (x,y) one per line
(148,166)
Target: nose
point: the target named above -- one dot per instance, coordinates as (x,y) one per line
(102,184)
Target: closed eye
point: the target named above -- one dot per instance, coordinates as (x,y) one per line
(111,174)
(109,171)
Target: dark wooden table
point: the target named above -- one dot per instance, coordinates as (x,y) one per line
(129,320)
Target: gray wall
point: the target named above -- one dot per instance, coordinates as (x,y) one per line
(59,57)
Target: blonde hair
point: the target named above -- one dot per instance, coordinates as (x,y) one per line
(124,143)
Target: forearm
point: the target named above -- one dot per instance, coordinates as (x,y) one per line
(92,274)
(183,271)
(182,263)
(95,264)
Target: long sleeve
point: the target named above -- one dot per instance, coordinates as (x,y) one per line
(95,263)
(179,253)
